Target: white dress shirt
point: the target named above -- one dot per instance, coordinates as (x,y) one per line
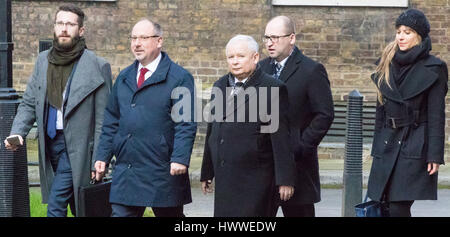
(283,62)
(151,68)
(59,114)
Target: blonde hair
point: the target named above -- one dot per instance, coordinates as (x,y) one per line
(382,70)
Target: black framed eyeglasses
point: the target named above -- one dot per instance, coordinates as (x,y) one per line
(274,38)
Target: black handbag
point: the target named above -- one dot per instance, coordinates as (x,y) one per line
(371,209)
(93,199)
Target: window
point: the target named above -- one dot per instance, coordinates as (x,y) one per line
(45,44)
(342,3)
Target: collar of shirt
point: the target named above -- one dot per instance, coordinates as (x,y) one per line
(283,62)
(151,67)
(235,90)
(236,80)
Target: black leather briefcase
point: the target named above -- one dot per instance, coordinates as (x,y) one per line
(93,200)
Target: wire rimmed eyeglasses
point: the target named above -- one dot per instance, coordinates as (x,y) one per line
(142,38)
(61,24)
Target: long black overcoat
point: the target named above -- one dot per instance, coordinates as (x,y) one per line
(248,165)
(311,113)
(401,154)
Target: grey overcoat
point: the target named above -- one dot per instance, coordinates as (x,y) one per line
(83,116)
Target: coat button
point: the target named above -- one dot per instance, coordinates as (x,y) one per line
(221,141)
(222,163)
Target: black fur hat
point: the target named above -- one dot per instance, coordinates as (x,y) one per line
(416,20)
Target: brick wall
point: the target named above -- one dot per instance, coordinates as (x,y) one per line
(347,40)
(195,31)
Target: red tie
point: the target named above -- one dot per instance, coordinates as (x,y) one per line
(142,77)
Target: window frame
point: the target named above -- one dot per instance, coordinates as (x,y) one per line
(342,3)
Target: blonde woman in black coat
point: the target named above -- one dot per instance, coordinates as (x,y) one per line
(408,145)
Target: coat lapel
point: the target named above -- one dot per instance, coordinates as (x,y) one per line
(222,85)
(419,78)
(86,79)
(160,74)
(390,93)
(43,91)
(291,65)
(130,79)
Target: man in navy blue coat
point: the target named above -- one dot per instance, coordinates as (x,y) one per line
(152,150)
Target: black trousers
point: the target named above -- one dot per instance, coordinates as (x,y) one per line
(303,210)
(168,211)
(400,208)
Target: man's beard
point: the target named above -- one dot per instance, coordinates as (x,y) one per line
(66,45)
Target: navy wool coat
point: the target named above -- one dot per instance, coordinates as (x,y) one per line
(139,131)
(401,154)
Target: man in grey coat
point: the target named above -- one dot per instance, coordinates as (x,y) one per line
(66,96)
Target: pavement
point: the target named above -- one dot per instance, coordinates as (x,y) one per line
(330,205)
(332,170)
(331,178)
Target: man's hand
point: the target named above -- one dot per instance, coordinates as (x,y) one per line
(13,147)
(100,168)
(177,169)
(286,192)
(433,168)
(207,187)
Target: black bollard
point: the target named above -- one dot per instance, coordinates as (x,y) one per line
(352,191)
(14,192)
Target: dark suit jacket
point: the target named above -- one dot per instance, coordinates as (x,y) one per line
(311,113)
(401,154)
(248,165)
(138,129)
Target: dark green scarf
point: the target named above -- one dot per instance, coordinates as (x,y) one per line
(60,64)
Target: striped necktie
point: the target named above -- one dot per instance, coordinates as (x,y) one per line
(277,72)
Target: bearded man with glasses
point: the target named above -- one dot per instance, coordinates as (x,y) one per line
(311,111)
(66,96)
